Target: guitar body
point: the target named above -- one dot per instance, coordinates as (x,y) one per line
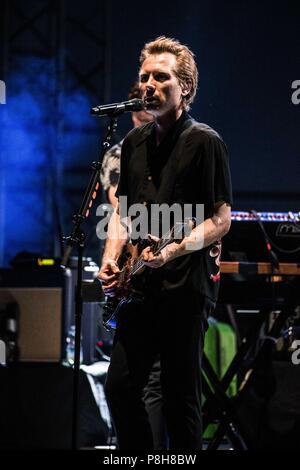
(128,290)
(130,282)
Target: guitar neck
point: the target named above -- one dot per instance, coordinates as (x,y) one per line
(157,248)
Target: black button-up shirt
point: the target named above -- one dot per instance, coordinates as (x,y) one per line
(190,166)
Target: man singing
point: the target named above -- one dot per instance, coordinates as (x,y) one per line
(173,159)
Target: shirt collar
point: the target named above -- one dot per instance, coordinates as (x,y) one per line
(148,129)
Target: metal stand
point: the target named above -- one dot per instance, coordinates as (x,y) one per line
(78,238)
(223,409)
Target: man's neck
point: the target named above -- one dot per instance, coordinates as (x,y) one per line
(164,123)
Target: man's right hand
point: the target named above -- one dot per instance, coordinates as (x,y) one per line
(108,276)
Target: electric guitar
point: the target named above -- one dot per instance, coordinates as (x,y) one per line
(131,266)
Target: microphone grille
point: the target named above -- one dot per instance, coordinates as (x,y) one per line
(136,104)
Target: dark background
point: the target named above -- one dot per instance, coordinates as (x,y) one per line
(59,58)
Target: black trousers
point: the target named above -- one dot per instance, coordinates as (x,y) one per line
(173,328)
(154,406)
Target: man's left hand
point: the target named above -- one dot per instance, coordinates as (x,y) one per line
(168,253)
(151,260)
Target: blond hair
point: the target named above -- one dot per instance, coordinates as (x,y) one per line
(186,70)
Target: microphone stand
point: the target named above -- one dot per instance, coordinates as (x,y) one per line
(272,256)
(77,238)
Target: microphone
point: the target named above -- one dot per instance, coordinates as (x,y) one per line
(115,109)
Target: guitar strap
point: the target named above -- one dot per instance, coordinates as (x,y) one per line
(167,185)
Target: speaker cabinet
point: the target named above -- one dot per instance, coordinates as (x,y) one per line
(39,296)
(45,299)
(39,321)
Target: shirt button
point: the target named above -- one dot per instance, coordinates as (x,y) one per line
(149,178)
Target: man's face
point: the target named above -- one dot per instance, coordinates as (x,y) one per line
(160,88)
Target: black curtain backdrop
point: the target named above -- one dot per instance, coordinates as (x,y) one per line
(248,57)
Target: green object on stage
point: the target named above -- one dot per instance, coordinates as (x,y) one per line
(220,348)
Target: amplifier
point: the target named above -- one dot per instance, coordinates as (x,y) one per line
(250,233)
(39,297)
(43,300)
